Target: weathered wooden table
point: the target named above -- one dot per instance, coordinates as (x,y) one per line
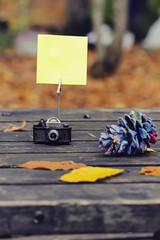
(34,204)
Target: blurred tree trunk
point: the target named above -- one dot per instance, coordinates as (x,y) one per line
(77,17)
(109,57)
(98,6)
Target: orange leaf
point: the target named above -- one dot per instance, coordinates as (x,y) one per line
(152,171)
(66,165)
(13,128)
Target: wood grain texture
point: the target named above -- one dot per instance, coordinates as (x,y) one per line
(94,159)
(79,209)
(100,236)
(21,176)
(73,114)
(35,202)
(79,125)
(74,147)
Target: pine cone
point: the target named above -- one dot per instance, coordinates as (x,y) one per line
(132,135)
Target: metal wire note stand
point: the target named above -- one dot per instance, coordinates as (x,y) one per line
(58,93)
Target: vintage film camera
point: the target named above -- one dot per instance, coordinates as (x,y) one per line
(52,132)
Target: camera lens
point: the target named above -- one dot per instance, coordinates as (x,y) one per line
(53,135)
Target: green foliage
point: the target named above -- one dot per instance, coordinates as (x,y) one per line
(108,11)
(6,40)
(154,6)
(150,15)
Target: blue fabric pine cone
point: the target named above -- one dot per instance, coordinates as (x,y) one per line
(132,135)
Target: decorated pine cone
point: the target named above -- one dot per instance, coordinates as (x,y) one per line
(132,135)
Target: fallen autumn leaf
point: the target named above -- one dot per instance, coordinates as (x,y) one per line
(92,135)
(151,150)
(150,170)
(15,128)
(89,174)
(65,165)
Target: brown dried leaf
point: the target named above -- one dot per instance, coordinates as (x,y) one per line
(150,170)
(14,128)
(65,165)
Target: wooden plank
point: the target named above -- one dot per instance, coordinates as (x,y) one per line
(79,208)
(29,147)
(72,114)
(35,202)
(87,125)
(99,236)
(84,194)
(94,159)
(80,125)
(27,136)
(76,147)
(19,176)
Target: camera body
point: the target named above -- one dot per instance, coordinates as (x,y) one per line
(52,132)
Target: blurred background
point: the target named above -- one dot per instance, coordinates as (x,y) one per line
(123,52)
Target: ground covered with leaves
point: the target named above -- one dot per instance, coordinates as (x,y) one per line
(136,82)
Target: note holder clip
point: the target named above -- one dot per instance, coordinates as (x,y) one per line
(58,93)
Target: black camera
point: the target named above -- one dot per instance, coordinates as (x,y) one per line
(51,131)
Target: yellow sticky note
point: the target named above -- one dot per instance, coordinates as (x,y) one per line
(62,57)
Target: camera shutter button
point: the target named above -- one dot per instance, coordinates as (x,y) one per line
(66,125)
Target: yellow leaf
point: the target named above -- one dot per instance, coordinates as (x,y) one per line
(89,174)
(151,150)
(92,135)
